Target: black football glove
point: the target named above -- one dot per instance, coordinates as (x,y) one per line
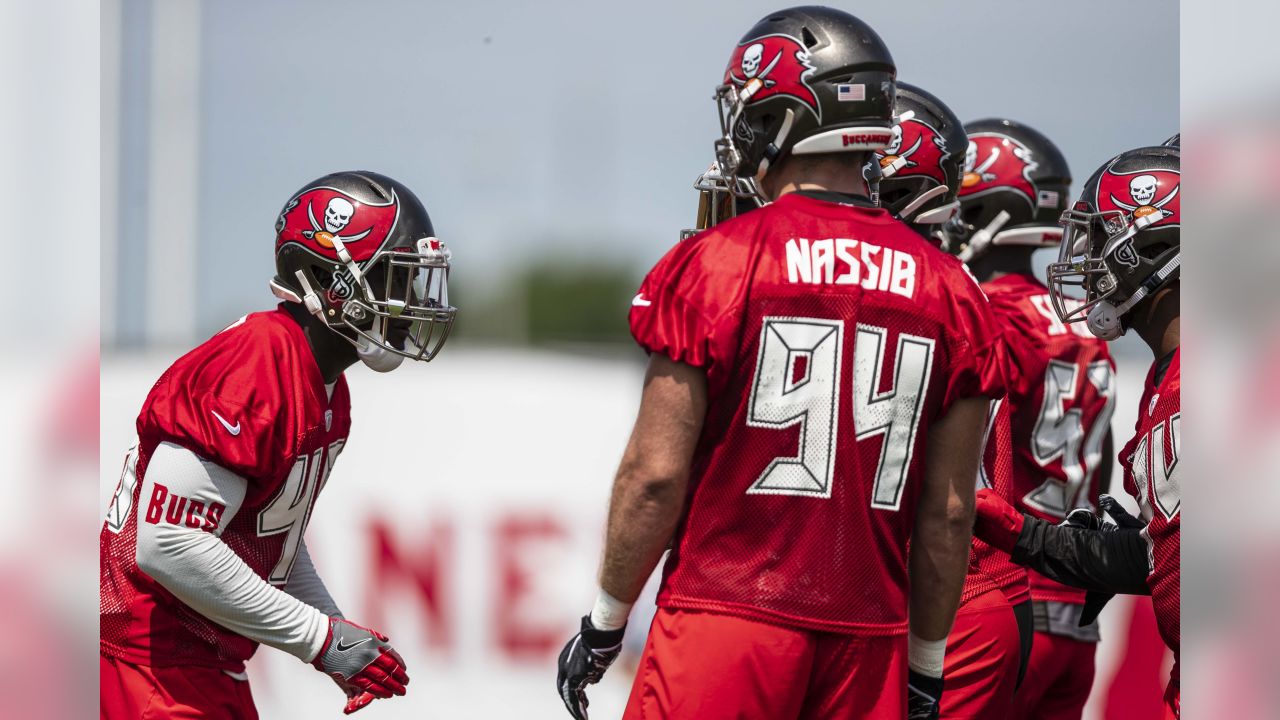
(924,696)
(1094,600)
(583,662)
(1122,518)
(1083,519)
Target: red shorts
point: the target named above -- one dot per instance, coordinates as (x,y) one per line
(983,654)
(709,666)
(1059,678)
(138,692)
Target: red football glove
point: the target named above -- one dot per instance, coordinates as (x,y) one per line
(996,522)
(356,698)
(362,663)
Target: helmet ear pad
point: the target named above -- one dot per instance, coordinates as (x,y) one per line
(1104,321)
(752,134)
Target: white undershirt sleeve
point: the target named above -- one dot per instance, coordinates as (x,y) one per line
(203,572)
(306,585)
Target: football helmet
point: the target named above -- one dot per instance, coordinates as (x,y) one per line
(804,80)
(1014,188)
(920,169)
(358,251)
(716,203)
(1120,243)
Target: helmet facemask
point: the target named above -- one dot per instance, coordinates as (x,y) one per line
(1095,247)
(723,176)
(395,305)
(720,198)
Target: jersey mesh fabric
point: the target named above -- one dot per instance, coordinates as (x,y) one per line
(822,557)
(997,472)
(260,375)
(1158,494)
(976,582)
(1037,339)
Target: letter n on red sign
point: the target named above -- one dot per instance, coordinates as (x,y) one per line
(420,567)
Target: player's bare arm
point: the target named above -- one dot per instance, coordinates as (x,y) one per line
(648,498)
(944,520)
(649,490)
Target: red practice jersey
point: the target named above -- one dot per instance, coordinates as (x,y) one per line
(1150,462)
(1061,397)
(832,337)
(250,399)
(987,562)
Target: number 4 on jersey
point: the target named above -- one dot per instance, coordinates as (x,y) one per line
(797,381)
(290,509)
(1059,434)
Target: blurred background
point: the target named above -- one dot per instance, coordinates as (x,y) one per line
(555,145)
(150,144)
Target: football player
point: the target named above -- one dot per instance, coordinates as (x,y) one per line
(1121,249)
(1061,387)
(816,394)
(922,170)
(202,551)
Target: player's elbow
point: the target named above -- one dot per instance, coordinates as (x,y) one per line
(947,521)
(959,511)
(160,554)
(652,484)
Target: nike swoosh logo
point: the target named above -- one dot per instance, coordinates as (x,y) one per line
(233,429)
(343,648)
(639,301)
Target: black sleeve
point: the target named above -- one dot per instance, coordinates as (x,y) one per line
(1113,561)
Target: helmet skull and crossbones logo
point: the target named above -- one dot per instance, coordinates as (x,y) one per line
(894,157)
(776,65)
(337,215)
(1142,190)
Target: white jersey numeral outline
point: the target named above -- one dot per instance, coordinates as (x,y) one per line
(1151,470)
(122,500)
(290,509)
(780,399)
(1059,434)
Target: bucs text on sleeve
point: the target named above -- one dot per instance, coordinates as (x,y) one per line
(827,361)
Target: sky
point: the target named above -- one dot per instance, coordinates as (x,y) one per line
(561,130)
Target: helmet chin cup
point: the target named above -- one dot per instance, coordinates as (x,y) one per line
(374,356)
(1104,321)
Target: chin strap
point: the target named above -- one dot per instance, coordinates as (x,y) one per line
(982,238)
(310,298)
(1104,319)
(920,200)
